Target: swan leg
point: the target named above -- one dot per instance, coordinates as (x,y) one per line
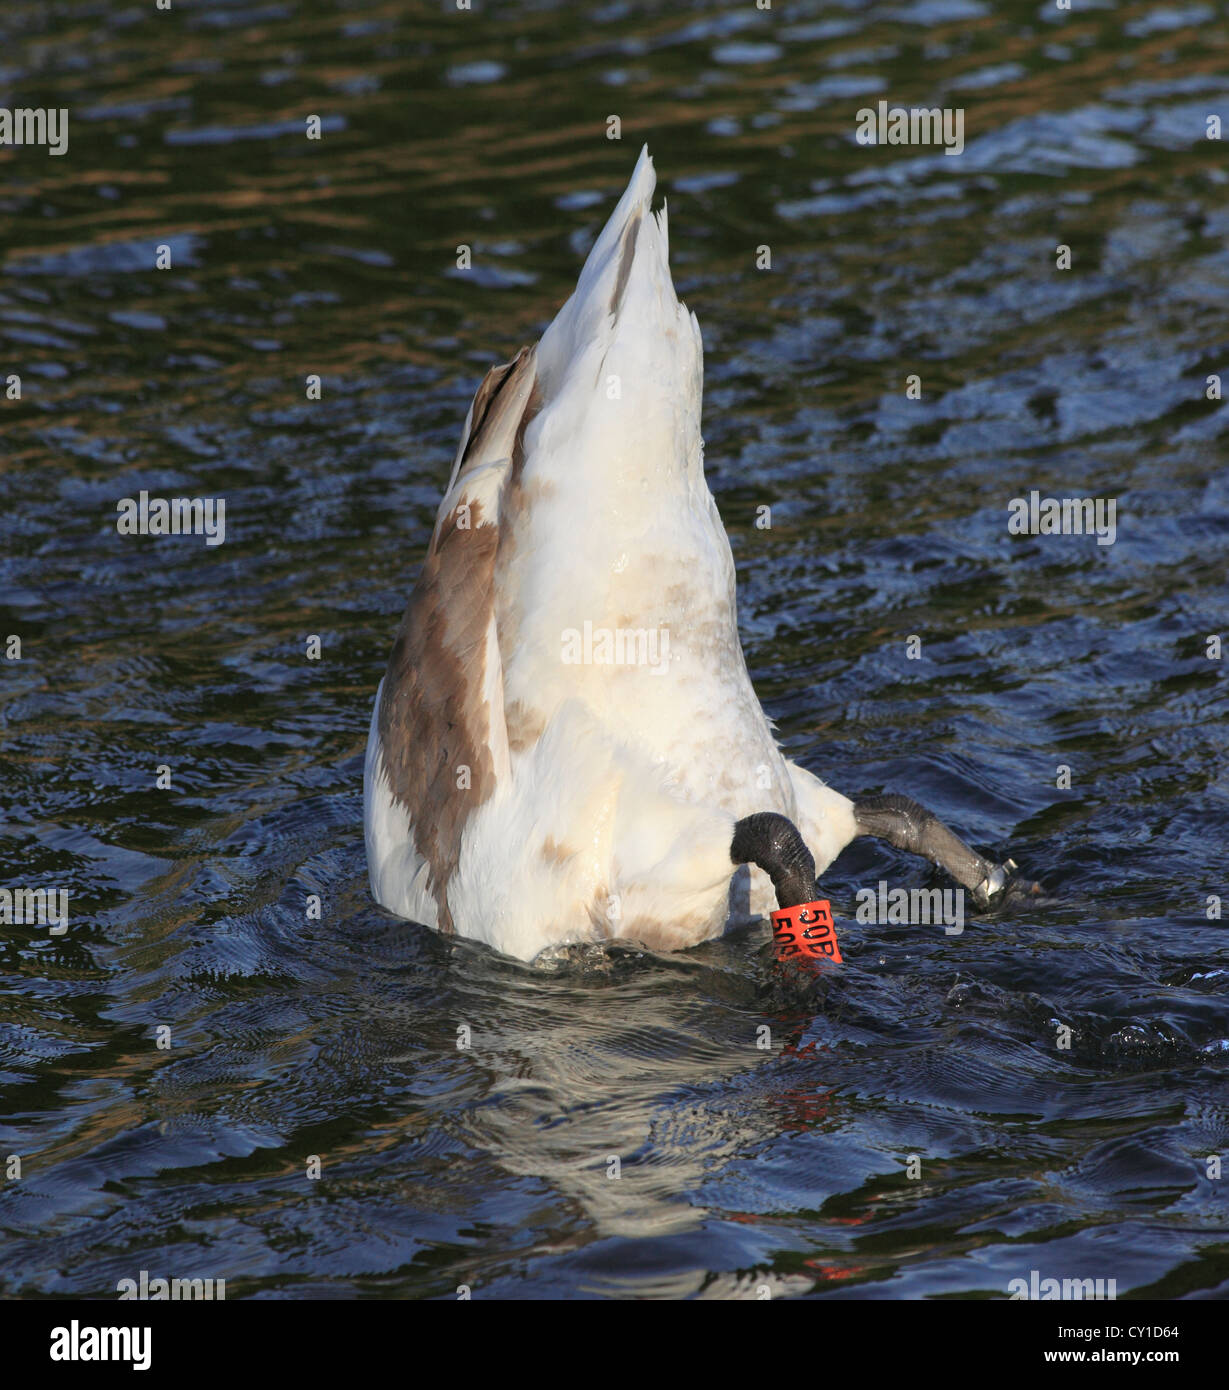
(903,823)
(773,843)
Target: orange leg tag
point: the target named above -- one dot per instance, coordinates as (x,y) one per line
(806,931)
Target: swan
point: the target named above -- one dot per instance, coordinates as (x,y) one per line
(565,746)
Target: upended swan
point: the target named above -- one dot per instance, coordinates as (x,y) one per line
(566,746)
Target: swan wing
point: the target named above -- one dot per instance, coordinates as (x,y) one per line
(442,735)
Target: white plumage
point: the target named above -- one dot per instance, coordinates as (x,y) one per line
(599,798)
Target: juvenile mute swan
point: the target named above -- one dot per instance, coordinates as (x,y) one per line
(566,746)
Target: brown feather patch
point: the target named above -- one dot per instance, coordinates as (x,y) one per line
(433,717)
(435,721)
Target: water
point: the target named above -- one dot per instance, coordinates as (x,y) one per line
(293,1037)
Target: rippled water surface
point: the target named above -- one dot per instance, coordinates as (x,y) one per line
(742,1166)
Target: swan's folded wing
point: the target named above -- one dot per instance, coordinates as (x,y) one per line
(443,739)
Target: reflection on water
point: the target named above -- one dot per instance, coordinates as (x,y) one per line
(745,1157)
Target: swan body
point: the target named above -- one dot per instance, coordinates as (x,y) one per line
(566,733)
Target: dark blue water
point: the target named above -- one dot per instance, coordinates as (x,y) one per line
(742,1166)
